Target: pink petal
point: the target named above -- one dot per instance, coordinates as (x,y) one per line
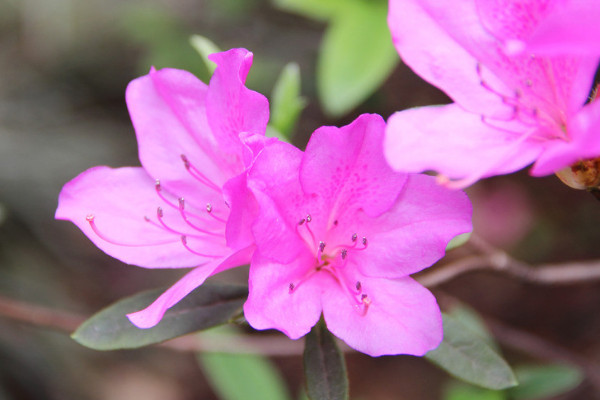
(584,143)
(570,28)
(119,200)
(270,304)
(244,210)
(511,19)
(231,107)
(151,315)
(455,143)
(414,234)
(167,108)
(274,181)
(432,51)
(402,318)
(346,167)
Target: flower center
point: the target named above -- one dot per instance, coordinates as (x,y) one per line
(333,260)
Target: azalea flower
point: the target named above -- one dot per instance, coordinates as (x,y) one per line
(509,111)
(338,233)
(187,206)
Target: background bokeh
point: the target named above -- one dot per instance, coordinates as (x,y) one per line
(64,68)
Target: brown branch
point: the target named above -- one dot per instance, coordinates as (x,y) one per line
(39,315)
(494,259)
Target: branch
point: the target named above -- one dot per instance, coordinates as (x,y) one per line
(498,260)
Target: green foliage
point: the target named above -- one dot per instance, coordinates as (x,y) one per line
(461,391)
(458,241)
(243,377)
(286,102)
(472,321)
(541,382)
(206,307)
(324,366)
(356,54)
(205,47)
(466,355)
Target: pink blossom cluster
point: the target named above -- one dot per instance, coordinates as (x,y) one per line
(520,73)
(330,231)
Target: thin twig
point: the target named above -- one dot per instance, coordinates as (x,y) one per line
(39,316)
(498,260)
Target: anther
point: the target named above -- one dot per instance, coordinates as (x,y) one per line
(89,217)
(364,241)
(344,254)
(157,185)
(301,221)
(358,286)
(363,297)
(354,237)
(181,203)
(209,207)
(335,223)
(159,212)
(186,162)
(291,287)
(308,218)
(321,246)
(185,244)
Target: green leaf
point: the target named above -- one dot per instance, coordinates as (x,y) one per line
(465,355)
(286,102)
(461,391)
(207,306)
(471,320)
(324,366)
(458,241)
(243,377)
(541,382)
(205,47)
(356,56)
(315,9)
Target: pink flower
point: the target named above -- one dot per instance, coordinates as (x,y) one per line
(339,232)
(509,111)
(569,27)
(187,206)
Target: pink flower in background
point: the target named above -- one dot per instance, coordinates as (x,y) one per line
(187,206)
(338,232)
(509,111)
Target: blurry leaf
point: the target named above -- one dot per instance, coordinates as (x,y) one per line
(205,47)
(465,355)
(286,102)
(471,320)
(458,241)
(243,377)
(205,307)
(316,9)
(461,391)
(324,366)
(541,382)
(356,56)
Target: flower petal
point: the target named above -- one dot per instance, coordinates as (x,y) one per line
(271,305)
(274,181)
(151,315)
(455,143)
(570,28)
(231,107)
(433,52)
(414,234)
(119,200)
(402,318)
(355,174)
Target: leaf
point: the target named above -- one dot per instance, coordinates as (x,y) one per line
(207,306)
(541,382)
(286,102)
(315,9)
(324,366)
(205,47)
(356,56)
(465,355)
(243,377)
(471,320)
(461,391)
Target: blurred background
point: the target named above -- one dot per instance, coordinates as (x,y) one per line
(65,65)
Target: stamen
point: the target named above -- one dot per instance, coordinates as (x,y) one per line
(344,253)
(163,225)
(209,209)
(301,221)
(321,246)
(91,220)
(354,237)
(198,175)
(187,221)
(184,242)
(158,189)
(291,287)
(358,287)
